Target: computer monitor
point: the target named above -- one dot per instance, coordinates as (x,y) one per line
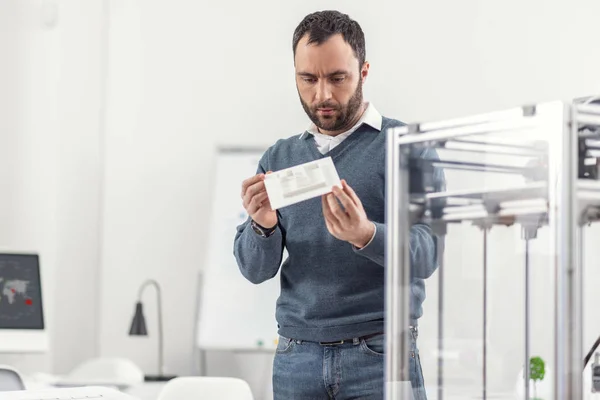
(22,327)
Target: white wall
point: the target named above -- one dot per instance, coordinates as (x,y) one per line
(26,224)
(82,29)
(51,98)
(29,174)
(469,56)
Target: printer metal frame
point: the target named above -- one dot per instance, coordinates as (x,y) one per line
(565,199)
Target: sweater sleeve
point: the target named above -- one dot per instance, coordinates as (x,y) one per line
(258,258)
(423,242)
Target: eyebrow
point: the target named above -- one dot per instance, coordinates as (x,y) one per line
(334,73)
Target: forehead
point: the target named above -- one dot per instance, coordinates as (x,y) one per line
(332,55)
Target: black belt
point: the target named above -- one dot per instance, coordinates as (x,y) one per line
(413,328)
(338,342)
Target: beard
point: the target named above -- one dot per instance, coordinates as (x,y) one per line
(344,114)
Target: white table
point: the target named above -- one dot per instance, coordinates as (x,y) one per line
(143,391)
(146,390)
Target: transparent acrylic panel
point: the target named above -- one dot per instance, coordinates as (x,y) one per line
(482,228)
(587,120)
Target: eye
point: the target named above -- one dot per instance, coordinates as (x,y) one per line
(337,79)
(309,80)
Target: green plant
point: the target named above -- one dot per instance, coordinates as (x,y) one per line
(537,370)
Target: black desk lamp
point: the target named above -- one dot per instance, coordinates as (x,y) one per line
(138,328)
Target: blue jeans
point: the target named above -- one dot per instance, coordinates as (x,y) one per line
(352,370)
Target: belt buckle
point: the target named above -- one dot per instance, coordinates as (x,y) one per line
(332,343)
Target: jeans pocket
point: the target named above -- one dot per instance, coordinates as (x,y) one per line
(374,345)
(284,345)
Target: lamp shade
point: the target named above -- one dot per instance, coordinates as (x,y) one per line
(138,325)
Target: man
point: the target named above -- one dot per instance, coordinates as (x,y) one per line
(331,308)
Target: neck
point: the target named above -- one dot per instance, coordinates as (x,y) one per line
(353,122)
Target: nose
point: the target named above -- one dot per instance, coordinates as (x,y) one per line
(323,91)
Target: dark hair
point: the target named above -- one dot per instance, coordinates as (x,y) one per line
(321,25)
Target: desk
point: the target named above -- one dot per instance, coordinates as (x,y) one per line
(143,391)
(146,391)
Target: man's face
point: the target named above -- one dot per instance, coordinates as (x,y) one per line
(329,82)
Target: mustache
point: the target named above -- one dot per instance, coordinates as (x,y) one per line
(326,105)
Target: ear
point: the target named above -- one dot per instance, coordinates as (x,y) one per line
(364,71)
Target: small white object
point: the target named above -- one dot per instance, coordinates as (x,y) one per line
(117,372)
(302,182)
(206,388)
(89,393)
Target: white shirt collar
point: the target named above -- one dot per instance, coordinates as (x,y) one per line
(371,117)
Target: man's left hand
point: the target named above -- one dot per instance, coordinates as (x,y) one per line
(349,223)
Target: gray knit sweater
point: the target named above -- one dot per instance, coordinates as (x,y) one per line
(330,290)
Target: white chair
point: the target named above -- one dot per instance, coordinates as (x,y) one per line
(10,379)
(206,388)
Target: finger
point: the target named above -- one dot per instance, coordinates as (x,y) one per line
(252,208)
(257,202)
(330,220)
(247,200)
(254,189)
(252,201)
(267,204)
(347,202)
(327,212)
(251,181)
(336,210)
(330,227)
(351,193)
(260,198)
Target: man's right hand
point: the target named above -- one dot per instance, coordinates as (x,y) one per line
(256,201)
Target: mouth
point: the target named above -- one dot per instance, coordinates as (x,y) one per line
(326,111)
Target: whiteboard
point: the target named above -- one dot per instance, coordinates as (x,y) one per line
(233,313)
